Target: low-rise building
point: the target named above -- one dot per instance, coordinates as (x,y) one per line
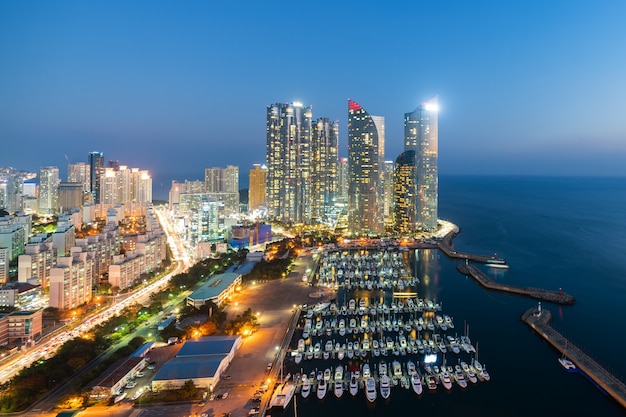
(217,289)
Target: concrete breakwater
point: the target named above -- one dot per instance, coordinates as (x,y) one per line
(539,320)
(558,297)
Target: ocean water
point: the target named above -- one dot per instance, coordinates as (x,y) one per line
(567,233)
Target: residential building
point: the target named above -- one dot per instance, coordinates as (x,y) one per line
(257,187)
(324,167)
(49,190)
(96,169)
(366,141)
(404,193)
(71,281)
(421,134)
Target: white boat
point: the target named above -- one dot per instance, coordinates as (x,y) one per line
(283,394)
(567,364)
(354,383)
(385,386)
(338,382)
(366,370)
(306,387)
(298,357)
(397,369)
(459,377)
(370,389)
(445,379)
(416,383)
(431,383)
(321,389)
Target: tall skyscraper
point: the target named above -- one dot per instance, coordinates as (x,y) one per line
(388,192)
(366,139)
(421,135)
(288,160)
(96,170)
(324,166)
(256,190)
(405,177)
(49,190)
(344,180)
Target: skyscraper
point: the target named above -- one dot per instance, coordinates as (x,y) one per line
(366,141)
(79,172)
(288,160)
(49,190)
(256,190)
(324,166)
(405,177)
(421,135)
(223,185)
(96,170)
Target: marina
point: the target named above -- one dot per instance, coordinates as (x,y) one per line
(381,337)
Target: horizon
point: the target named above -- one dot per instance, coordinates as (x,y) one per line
(167,86)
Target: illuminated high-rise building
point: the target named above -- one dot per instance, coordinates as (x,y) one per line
(288,161)
(49,190)
(366,141)
(388,192)
(421,135)
(79,172)
(324,166)
(405,177)
(223,185)
(96,170)
(257,184)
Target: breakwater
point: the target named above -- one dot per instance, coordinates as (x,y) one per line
(539,320)
(558,297)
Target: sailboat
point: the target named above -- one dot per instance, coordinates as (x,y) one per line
(566,363)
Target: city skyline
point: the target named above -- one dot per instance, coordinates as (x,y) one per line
(165,87)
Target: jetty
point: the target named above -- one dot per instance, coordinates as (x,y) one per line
(539,320)
(445,245)
(557,297)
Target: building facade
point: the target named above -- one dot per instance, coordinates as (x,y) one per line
(366,139)
(421,134)
(405,179)
(49,190)
(324,163)
(256,189)
(288,160)
(96,169)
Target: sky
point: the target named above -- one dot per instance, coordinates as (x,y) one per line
(525,87)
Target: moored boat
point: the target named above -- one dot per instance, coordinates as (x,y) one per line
(385,386)
(370,389)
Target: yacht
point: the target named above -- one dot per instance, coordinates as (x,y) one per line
(338,382)
(354,383)
(306,386)
(567,364)
(370,389)
(416,383)
(321,389)
(459,377)
(385,386)
(283,394)
(445,379)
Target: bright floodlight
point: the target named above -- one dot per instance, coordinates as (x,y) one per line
(430,358)
(431,106)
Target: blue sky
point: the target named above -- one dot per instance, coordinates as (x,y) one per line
(525,87)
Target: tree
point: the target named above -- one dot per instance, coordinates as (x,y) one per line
(188,389)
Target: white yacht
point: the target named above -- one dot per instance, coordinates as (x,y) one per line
(416,383)
(321,389)
(338,382)
(306,386)
(385,386)
(445,379)
(370,389)
(354,383)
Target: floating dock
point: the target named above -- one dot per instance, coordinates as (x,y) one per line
(539,320)
(558,297)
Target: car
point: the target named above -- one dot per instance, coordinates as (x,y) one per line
(226,376)
(139,374)
(131,384)
(224,395)
(151,367)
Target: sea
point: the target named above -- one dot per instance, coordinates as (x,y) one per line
(555,233)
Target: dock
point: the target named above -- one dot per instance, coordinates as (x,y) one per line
(539,320)
(445,245)
(557,297)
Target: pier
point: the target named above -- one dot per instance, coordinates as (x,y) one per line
(445,245)
(557,297)
(539,320)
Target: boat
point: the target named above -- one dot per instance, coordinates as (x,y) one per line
(338,382)
(567,364)
(416,383)
(282,395)
(321,389)
(370,389)
(460,377)
(306,386)
(431,383)
(445,379)
(397,369)
(385,386)
(298,357)
(354,383)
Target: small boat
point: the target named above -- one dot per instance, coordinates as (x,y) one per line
(298,357)
(445,379)
(370,389)
(354,383)
(459,377)
(431,383)
(306,386)
(416,383)
(321,389)
(385,386)
(567,364)
(338,382)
